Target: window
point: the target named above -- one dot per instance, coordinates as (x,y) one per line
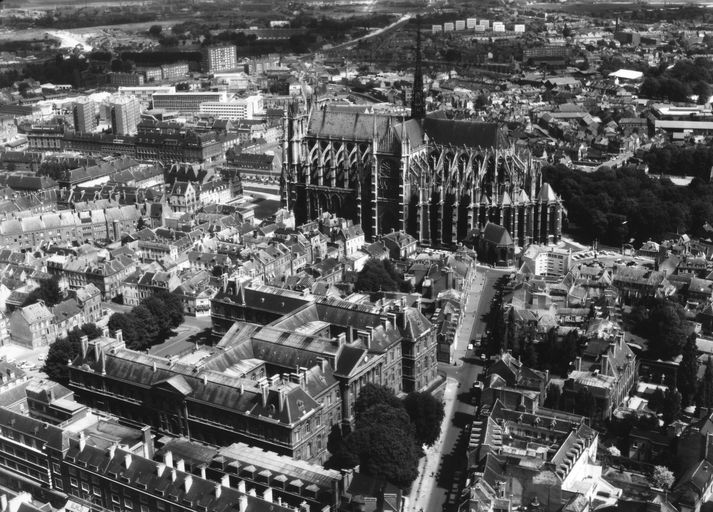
(73,482)
(85,486)
(58,484)
(96,490)
(128,504)
(115,498)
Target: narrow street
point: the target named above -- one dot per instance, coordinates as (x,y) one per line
(442,471)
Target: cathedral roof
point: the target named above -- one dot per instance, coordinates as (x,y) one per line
(348,125)
(466,133)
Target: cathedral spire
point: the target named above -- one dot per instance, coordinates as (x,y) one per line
(418,105)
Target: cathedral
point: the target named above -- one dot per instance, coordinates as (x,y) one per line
(438,179)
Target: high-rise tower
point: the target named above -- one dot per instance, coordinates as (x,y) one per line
(418,104)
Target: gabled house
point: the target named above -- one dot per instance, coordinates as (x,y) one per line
(32,326)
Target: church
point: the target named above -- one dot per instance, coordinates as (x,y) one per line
(438,179)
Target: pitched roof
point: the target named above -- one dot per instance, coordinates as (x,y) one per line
(496,234)
(348,125)
(472,134)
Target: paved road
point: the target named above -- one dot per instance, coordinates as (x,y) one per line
(443,470)
(401,21)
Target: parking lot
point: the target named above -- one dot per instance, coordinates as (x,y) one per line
(30,361)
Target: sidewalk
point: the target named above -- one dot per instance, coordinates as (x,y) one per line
(425,483)
(428,467)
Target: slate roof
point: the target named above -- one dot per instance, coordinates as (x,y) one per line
(497,235)
(472,134)
(348,125)
(35,313)
(179,486)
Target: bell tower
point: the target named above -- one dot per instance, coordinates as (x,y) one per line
(418,104)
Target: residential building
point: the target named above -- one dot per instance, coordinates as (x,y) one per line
(85,116)
(607,368)
(126,79)
(32,326)
(106,276)
(125,115)
(401,246)
(219,58)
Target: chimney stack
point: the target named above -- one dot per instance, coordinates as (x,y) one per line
(341,339)
(578,364)
(181,465)
(84,346)
(241,486)
(3,502)
(168,459)
(147,440)
(187,483)
(282,393)
(225,480)
(173,475)
(160,468)
(202,471)
(605,365)
(264,390)
(82,441)
(267,494)
(127,460)
(112,451)
(369,337)
(243,503)
(218,490)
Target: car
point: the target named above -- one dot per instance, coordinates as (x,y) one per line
(470,346)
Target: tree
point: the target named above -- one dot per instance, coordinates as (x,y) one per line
(662,477)
(688,371)
(372,395)
(127,324)
(148,322)
(60,352)
(666,332)
(91,330)
(386,453)
(375,278)
(585,403)
(384,413)
(160,313)
(704,396)
(48,292)
(67,349)
(155,30)
(656,400)
(554,396)
(174,306)
(426,413)
(671,406)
